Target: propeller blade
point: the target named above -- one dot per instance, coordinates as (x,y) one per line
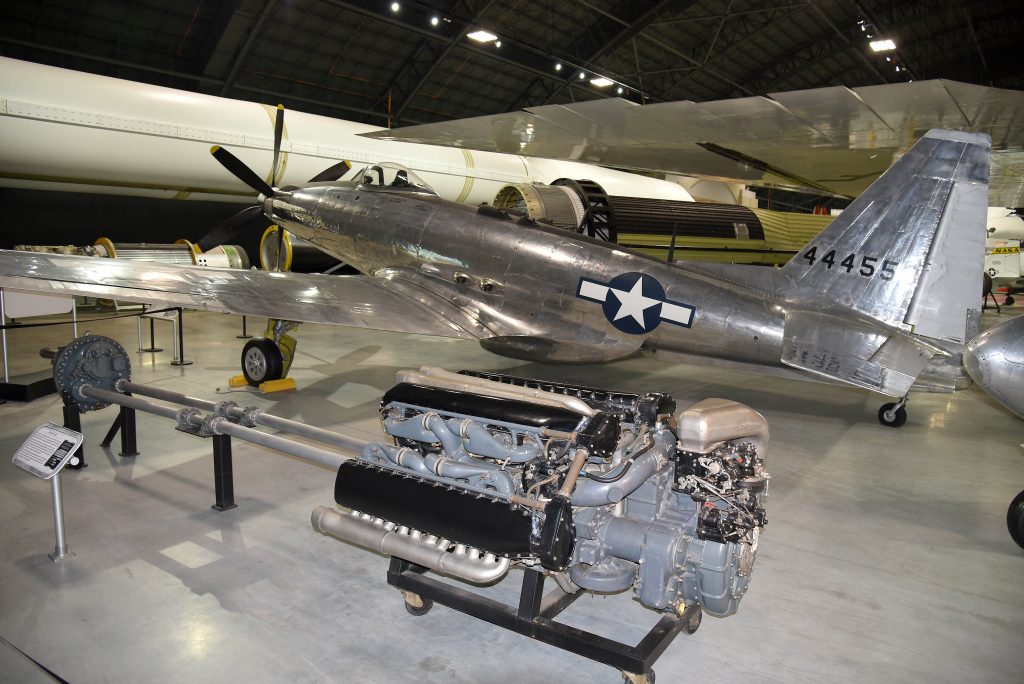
(240,171)
(280,247)
(228,230)
(332,173)
(278,131)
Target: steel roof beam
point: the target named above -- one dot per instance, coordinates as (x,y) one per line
(246,46)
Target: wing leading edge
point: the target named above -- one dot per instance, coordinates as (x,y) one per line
(390,300)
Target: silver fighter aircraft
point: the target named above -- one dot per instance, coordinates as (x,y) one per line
(886,297)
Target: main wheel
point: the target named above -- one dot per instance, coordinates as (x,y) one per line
(892,418)
(262,361)
(1008,301)
(1015,519)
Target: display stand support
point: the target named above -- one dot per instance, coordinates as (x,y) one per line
(60,549)
(223,476)
(245,333)
(73,421)
(179,347)
(535,615)
(125,424)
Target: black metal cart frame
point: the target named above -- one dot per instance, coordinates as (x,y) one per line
(535,617)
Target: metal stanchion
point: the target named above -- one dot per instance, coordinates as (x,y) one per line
(60,549)
(178,333)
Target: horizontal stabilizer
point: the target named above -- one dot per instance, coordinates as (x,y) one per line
(849,351)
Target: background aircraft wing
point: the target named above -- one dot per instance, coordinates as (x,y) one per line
(386,301)
(833,140)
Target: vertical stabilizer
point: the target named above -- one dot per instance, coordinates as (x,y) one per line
(909,251)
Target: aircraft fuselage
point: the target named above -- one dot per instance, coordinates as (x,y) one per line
(523,279)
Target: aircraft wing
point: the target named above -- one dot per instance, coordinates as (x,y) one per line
(829,140)
(385,301)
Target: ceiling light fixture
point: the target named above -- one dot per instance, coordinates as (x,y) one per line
(497,43)
(882,45)
(395,7)
(433,21)
(558,66)
(482,36)
(582,75)
(601,82)
(619,90)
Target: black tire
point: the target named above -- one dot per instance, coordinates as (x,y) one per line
(693,622)
(898,420)
(421,610)
(1009,301)
(1015,519)
(262,361)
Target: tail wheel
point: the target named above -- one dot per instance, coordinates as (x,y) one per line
(262,361)
(891,416)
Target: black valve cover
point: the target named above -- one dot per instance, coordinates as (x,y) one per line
(483,522)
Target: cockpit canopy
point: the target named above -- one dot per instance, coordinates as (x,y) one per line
(391,176)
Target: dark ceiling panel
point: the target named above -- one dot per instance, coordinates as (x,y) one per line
(361,60)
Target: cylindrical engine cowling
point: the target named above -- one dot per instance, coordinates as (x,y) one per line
(557,205)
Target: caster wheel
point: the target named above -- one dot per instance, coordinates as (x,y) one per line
(890,418)
(1015,519)
(262,361)
(693,622)
(1009,301)
(417,605)
(631,678)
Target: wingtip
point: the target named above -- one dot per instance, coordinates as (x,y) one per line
(960,136)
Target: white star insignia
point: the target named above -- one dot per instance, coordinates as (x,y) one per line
(634,303)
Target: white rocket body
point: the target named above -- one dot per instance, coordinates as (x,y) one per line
(73,131)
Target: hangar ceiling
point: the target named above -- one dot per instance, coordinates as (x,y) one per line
(398,63)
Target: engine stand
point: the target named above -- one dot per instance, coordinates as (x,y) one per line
(535,617)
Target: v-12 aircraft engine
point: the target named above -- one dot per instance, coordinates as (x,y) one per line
(608,491)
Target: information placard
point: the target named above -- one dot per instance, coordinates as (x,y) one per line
(47,450)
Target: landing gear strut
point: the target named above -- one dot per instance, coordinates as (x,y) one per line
(894,414)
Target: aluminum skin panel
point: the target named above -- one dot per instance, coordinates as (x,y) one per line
(381,303)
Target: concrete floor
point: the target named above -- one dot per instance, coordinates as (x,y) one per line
(886,557)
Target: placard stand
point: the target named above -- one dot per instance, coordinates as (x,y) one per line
(46,451)
(60,548)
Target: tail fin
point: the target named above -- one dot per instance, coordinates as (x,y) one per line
(909,251)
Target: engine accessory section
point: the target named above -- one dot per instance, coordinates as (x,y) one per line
(618,490)
(90,360)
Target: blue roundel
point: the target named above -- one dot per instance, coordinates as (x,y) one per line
(632,298)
